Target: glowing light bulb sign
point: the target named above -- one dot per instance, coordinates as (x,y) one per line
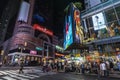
(42,29)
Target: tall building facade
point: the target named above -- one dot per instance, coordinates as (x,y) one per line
(102,27)
(8,18)
(26,42)
(92,3)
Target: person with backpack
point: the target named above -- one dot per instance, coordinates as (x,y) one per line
(21,67)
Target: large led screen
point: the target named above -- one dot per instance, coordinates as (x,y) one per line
(73,31)
(79,35)
(98,21)
(68,36)
(24,11)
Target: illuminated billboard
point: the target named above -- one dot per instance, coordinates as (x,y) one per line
(98,21)
(33,52)
(43,29)
(79,35)
(24,11)
(68,35)
(73,31)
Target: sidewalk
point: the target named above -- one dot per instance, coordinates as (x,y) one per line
(115,74)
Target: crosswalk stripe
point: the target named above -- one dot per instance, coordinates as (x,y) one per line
(27,75)
(17,77)
(21,75)
(31,75)
(8,78)
(13,76)
(3,72)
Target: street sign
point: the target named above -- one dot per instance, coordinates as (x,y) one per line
(39,48)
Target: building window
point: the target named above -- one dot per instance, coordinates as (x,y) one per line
(104,0)
(118,11)
(110,16)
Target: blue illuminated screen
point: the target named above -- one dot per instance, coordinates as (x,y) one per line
(68,35)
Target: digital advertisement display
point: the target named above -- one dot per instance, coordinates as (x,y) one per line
(24,11)
(98,21)
(79,35)
(43,29)
(68,35)
(33,52)
(73,31)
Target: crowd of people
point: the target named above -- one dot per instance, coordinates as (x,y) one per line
(102,68)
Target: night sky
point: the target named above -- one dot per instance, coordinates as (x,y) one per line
(58,7)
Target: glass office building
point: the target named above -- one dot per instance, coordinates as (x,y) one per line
(102,23)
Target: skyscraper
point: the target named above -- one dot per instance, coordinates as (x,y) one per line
(8,18)
(92,3)
(103,25)
(23,30)
(22,38)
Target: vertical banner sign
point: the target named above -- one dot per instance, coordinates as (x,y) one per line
(24,11)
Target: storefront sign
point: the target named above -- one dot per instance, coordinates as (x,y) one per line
(58,54)
(43,29)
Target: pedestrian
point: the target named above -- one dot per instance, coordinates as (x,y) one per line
(82,68)
(118,64)
(108,68)
(0,64)
(21,67)
(111,66)
(103,68)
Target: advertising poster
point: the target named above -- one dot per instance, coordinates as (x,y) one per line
(98,21)
(79,35)
(24,11)
(68,35)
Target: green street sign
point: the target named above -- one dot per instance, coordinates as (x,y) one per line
(39,48)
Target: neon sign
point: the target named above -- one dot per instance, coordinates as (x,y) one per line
(57,54)
(42,29)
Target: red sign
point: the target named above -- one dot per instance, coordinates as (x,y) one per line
(42,29)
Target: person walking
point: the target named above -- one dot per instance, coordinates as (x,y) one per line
(111,66)
(118,64)
(21,67)
(103,68)
(82,68)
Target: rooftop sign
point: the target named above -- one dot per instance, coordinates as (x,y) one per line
(43,29)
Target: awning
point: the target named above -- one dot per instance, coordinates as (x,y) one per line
(77,46)
(109,40)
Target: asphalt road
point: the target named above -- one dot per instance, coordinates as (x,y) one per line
(71,76)
(35,73)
